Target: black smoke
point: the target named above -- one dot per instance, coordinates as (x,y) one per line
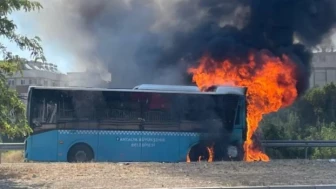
(270,25)
(155,41)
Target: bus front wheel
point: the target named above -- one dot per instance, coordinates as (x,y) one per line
(80,153)
(235,152)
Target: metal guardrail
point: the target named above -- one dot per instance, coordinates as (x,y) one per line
(299,143)
(11,146)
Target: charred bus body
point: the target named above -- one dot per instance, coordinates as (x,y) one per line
(221,120)
(160,123)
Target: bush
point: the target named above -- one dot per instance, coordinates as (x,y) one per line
(312,117)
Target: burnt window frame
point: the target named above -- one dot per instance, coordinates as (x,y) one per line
(166,117)
(138,123)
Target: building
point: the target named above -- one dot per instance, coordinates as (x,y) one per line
(38,74)
(323,67)
(47,74)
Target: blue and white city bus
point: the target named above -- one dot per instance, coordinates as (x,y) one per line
(149,123)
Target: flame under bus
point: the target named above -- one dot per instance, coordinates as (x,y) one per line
(159,123)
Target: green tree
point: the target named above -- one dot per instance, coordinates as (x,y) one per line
(330,98)
(12,110)
(312,117)
(327,133)
(319,105)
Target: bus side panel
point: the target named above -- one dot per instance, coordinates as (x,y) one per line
(43,146)
(107,146)
(68,138)
(160,146)
(187,141)
(119,146)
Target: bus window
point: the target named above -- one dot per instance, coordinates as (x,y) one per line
(238,115)
(208,113)
(159,101)
(194,112)
(43,108)
(77,109)
(121,106)
(66,109)
(158,112)
(122,111)
(226,108)
(83,104)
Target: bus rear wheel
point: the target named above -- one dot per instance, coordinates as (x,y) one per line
(198,153)
(80,153)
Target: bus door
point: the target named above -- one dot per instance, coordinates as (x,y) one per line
(239,129)
(43,120)
(160,136)
(120,135)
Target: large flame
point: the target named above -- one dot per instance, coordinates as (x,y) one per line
(271,86)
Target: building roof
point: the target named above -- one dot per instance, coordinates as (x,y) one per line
(31,65)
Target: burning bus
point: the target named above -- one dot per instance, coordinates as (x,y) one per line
(149,123)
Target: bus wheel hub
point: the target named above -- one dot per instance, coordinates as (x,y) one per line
(80,156)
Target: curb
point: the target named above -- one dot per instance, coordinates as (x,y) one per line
(262,187)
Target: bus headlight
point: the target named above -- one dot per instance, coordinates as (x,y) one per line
(232,151)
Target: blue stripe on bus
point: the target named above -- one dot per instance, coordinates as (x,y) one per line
(106,132)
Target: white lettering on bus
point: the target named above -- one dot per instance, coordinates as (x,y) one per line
(153,139)
(142,139)
(129,139)
(143,142)
(143,145)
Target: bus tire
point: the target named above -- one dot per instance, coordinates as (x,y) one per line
(197,151)
(80,153)
(240,155)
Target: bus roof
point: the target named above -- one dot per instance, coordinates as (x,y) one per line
(157,89)
(186,88)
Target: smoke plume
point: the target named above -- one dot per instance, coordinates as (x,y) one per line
(154,41)
(270,25)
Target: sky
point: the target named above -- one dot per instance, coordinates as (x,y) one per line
(53,55)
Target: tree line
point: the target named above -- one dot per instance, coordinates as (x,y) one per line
(13,121)
(311,117)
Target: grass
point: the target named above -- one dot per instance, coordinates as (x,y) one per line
(158,175)
(14,156)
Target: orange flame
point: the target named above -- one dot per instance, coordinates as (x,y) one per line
(270,87)
(211,153)
(188,158)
